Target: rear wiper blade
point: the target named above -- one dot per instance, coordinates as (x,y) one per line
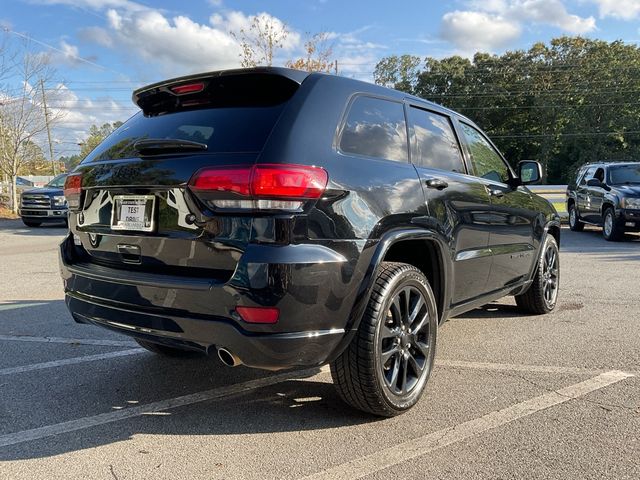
(162,144)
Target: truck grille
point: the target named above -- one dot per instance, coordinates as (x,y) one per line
(36,201)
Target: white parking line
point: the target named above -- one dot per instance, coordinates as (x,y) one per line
(70,341)
(417,447)
(150,408)
(70,361)
(519,368)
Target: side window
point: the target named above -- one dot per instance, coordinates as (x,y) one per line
(487,163)
(599,174)
(434,144)
(376,128)
(588,175)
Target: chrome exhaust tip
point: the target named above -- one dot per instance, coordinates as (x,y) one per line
(228,358)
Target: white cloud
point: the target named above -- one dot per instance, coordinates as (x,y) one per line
(96,35)
(472,31)
(78,114)
(622,9)
(492,24)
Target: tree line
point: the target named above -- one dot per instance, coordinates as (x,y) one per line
(565,103)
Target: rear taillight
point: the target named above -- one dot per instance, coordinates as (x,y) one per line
(73,190)
(279,187)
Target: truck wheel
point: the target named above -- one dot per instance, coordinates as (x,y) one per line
(542,295)
(386,366)
(574,222)
(612,229)
(31,223)
(164,350)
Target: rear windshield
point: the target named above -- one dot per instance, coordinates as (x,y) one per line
(234,113)
(222,129)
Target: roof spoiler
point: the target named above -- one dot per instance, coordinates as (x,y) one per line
(196,83)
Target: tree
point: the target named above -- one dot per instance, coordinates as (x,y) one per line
(96,135)
(396,72)
(22,116)
(564,103)
(258,44)
(318,55)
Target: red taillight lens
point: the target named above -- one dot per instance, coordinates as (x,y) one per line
(288,181)
(188,88)
(237,180)
(258,314)
(73,190)
(261,182)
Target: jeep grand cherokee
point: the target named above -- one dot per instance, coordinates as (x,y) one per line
(286,219)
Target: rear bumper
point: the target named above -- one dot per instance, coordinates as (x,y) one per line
(315,295)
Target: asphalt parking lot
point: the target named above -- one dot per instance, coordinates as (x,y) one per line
(511,396)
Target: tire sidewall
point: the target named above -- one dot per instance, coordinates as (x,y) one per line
(549,307)
(417,280)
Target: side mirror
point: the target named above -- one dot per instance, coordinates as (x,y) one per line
(529,172)
(594,182)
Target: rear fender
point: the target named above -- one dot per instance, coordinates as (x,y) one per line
(382,246)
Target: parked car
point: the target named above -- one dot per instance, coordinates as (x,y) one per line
(290,219)
(606,195)
(45,204)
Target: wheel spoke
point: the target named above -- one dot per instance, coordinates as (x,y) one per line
(405,365)
(420,324)
(393,382)
(415,366)
(424,348)
(416,310)
(386,332)
(387,354)
(407,304)
(395,305)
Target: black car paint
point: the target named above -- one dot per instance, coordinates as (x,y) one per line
(591,202)
(316,266)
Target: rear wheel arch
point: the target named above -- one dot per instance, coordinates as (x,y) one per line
(386,245)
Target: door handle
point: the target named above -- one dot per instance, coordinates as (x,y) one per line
(494,192)
(436,183)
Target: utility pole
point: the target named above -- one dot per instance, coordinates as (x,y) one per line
(336,67)
(46,120)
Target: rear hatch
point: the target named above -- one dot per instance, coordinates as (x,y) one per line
(133,207)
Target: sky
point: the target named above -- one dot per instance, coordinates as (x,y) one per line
(104,49)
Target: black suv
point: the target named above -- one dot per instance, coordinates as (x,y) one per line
(606,195)
(46,204)
(287,219)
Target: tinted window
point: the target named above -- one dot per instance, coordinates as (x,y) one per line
(624,174)
(375,128)
(588,175)
(222,129)
(487,163)
(435,144)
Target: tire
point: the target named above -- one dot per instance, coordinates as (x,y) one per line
(164,350)
(574,219)
(385,368)
(31,223)
(612,229)
(542,295)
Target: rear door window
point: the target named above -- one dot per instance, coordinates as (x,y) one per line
(375,127)
(434,143)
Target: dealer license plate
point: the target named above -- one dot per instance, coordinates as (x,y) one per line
(133,212)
